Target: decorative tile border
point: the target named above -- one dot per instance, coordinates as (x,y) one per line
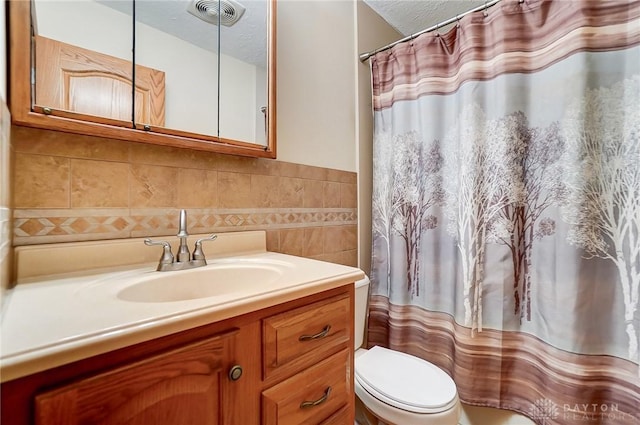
(36,226)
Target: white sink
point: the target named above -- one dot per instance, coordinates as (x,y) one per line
(203,282)
(222,280)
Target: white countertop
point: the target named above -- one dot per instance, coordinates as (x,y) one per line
(54,320)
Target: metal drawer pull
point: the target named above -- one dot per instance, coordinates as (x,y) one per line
(319,335)
(307,404)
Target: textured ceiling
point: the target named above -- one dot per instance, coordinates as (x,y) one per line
(412,16)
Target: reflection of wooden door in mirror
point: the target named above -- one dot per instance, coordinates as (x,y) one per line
(79,80)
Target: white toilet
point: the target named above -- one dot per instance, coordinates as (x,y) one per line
(398,388)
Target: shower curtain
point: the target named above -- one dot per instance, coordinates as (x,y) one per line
(506,207)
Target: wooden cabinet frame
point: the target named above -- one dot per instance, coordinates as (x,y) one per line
(23,113)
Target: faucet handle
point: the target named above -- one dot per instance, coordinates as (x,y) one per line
(198,254)
(167,256)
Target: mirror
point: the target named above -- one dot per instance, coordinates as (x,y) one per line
(79,68)
(198,84)
(185,49)
(243,74)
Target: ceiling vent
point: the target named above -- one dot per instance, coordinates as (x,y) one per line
(207,10)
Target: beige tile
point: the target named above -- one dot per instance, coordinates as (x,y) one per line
(313,194)
(292,241)
(321,257)
(240,164)
(291,192)
(32,140)
(350,258)
(335,257)
(197,188)
(288,169)
(234,190)
(349,237)
(348,195)
(153,186)
(332,239)
(273,240)
(313,241)
(264,191)
(343,258)
(41,181)
(342,176)
(331,195)
(144,153)
(313,173)
(99,184)
(347,258)
(340,238)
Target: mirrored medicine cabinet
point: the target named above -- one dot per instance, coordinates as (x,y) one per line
(196,74)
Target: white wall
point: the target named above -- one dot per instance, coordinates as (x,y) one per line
(373,32)
(190,71)
(316,83)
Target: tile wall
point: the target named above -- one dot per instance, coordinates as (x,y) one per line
(75,188)
(5,200)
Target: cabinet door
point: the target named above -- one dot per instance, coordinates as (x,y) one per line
(74,79)
(182,386)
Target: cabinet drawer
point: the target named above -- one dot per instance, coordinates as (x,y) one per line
(311,397)
(297,338)
(341,417)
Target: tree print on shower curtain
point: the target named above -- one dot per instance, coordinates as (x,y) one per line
(416,188)
(382,208)
(478,183)
(533,155)
(602,132)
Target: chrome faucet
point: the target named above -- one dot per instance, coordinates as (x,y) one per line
(184,259)
(183,249)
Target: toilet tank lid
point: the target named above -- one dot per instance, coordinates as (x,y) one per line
(405,381)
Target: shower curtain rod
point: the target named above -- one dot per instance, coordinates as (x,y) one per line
(485,6)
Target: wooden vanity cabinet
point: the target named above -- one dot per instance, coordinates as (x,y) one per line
(296,360)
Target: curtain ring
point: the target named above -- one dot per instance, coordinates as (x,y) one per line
(457,21)
(485,13)
(438,30)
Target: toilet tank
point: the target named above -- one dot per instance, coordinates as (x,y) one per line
(362,298)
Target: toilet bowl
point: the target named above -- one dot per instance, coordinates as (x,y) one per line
(398,388)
